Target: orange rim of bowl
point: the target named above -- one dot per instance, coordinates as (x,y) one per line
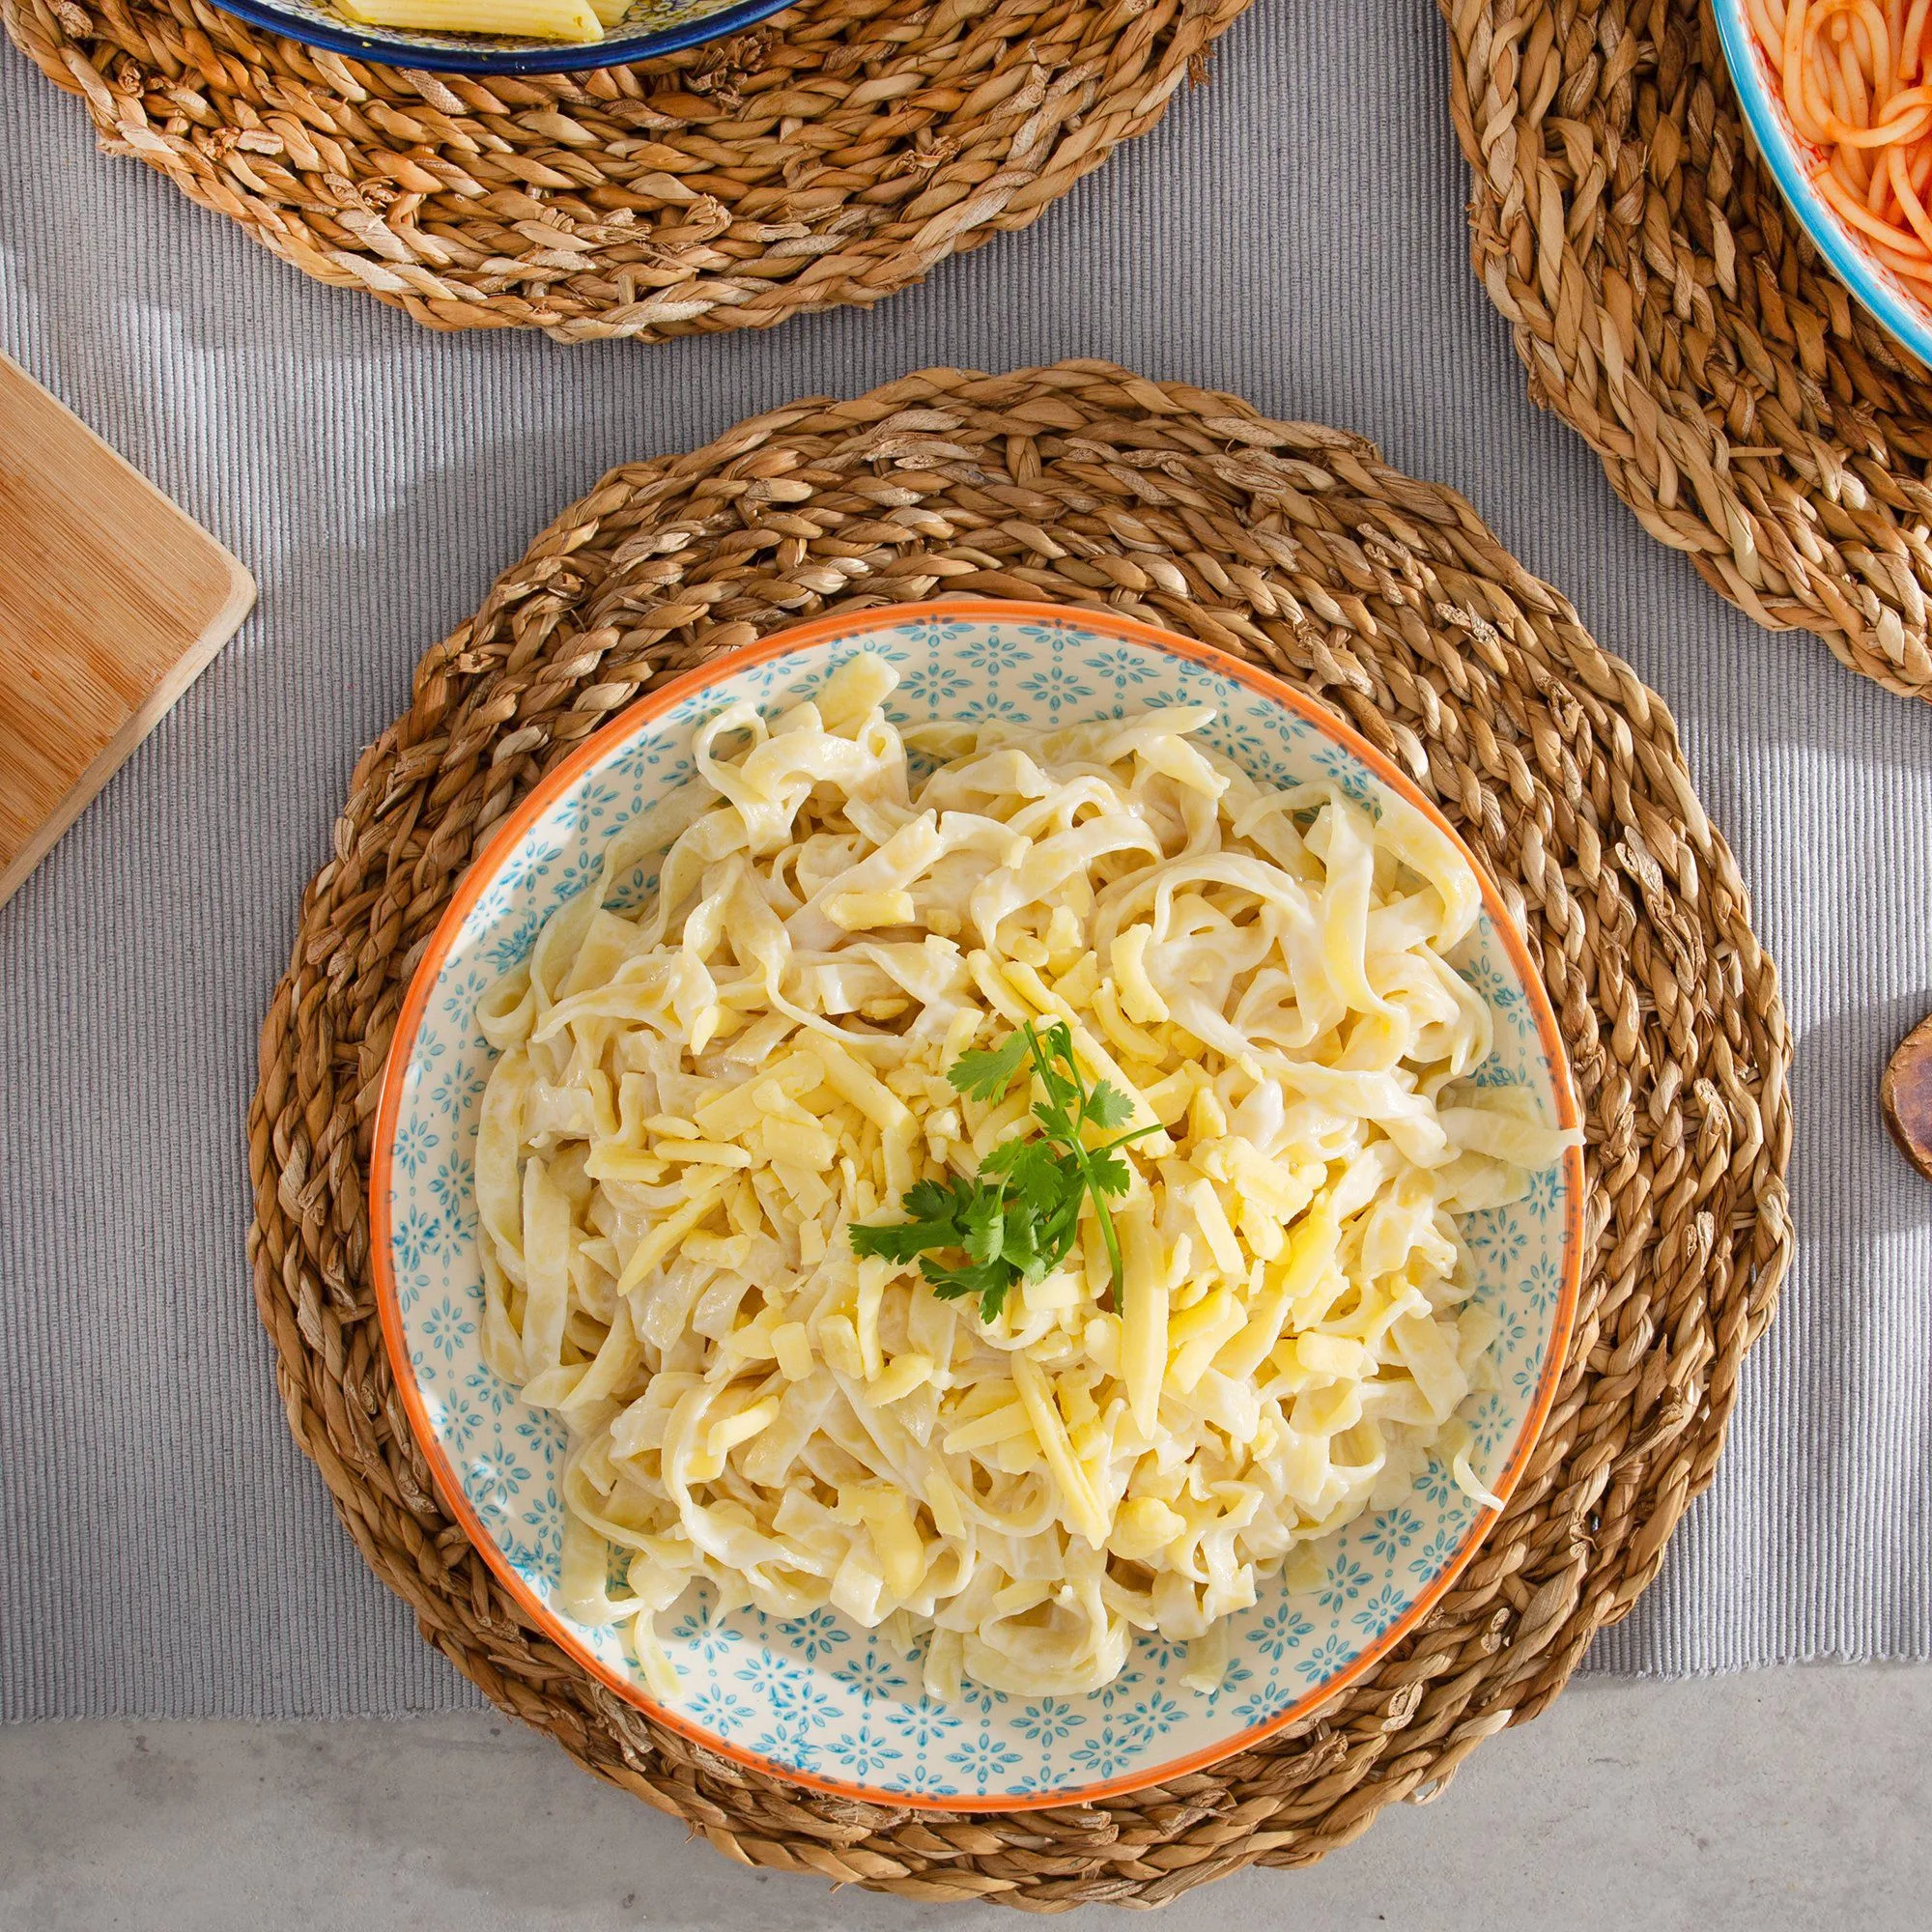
(483,871)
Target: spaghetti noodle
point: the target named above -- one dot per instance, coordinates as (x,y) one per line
(1854,80)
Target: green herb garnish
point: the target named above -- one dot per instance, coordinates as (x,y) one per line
(1018,1217)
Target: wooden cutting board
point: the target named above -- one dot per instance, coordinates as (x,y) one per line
(112,600)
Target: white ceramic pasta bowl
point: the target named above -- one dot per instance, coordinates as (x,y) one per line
(819,1700)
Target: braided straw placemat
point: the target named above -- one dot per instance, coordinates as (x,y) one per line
(1669,305)
(832,154)
(1297,547)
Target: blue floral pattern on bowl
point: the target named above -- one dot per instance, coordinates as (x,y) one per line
(817,1698)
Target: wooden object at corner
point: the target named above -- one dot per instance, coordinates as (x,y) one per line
(1905,1095)
(111,601)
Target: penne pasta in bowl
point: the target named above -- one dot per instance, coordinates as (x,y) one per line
(504,36)
(977,1206)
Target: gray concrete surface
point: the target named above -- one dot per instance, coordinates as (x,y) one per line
(1789,1797)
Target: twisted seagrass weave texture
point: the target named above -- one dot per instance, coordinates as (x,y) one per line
(1298,548)
(1669,305)
(831,155)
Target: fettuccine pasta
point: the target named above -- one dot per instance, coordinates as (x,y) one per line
(694,1105)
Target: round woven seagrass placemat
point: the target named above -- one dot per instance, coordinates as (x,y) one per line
(830,155)
(1297,547)
(1669,305)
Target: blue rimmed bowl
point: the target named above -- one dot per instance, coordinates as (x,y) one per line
(652,27)
(1791,158)
(819,1700)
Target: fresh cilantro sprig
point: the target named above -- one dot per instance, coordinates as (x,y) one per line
(1018,1218)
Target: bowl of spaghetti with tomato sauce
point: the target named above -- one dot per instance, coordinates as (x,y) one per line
(1839,95)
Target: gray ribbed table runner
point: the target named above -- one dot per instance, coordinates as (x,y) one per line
(1294,232)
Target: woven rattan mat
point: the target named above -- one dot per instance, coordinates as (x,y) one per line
(1669,305)
(1300,549)
(832,154)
